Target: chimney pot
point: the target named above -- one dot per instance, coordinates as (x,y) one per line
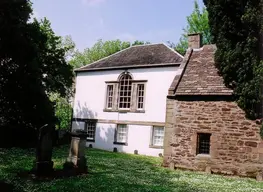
(195,40)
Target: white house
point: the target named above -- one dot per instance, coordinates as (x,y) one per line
(120,100)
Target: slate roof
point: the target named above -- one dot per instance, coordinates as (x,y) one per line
(199,76)
(137,56)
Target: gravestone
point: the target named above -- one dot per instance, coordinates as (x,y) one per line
(76,160)
(43,165)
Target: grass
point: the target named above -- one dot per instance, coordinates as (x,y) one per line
(113,172)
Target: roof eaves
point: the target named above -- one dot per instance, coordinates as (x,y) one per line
(128,67)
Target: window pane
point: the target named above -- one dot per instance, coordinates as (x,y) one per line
(125,91)
(203,145)
(122,133)
(90,128)
(109,96)
(158,135)
(140,98)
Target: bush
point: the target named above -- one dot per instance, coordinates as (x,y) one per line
(17,136)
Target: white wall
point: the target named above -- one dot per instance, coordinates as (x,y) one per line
(90,100)
(139,138)
(91,91)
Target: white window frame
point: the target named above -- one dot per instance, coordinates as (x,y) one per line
(124,95)
(154,134)
(138,96)
(88,125)
(125,134)
(108,96)
(120,91)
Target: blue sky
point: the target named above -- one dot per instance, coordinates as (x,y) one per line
(89,20)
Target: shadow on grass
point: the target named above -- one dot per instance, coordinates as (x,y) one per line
(5,187)
(56,174)
(107,172)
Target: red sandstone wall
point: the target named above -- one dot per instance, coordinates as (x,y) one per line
(236,147)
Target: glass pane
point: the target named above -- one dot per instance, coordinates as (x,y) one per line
(204,143)
(91,130)
(158,136)
(122,133)
(125,91)
(109,95)
(140,98)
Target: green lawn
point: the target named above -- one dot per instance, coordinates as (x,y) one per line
(112,172)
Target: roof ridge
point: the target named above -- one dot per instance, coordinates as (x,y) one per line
(136,52)
(197,75)
(173,50)
(131,46)
(177,79)
(160,44)
(205,47)
(147,44)
(104,58)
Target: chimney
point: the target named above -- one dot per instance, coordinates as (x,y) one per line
(195,40)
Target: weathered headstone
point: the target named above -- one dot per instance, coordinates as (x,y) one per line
(43,163)
(76,160)
(259,176)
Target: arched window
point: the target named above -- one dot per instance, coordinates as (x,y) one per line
(125,94)
(125,91)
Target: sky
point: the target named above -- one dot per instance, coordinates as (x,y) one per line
(86,21)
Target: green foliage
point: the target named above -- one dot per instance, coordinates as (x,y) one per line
(69,45)
(63,111)
(137,42)
(100,50)
(182,46)
(117,172)
(32,64)
(58,73)
(235,26)
(197,22)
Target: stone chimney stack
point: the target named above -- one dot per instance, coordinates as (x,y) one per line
(195,40)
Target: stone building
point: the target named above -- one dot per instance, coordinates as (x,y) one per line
(205,129)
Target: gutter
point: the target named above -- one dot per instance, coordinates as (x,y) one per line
(128,67)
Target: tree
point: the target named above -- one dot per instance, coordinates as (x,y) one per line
(31,65)
(235,27)
(57,72)
(63,110)
(137,42)
(69,45)
(100,50)
(197,22)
